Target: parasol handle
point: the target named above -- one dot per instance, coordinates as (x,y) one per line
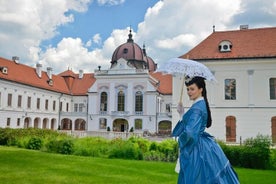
(182,88)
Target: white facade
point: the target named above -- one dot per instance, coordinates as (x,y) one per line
(24,106)
(252,107)
(129,81)
(21,113)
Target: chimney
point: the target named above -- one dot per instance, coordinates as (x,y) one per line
(15,59)
(49,72)
(80,74)
(243,27)
(38,70)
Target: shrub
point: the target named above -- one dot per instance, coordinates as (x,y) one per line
(7,137)
(169,148)
(34,143)
(153,146)
(143,144)
(125,150)
(66,146)
(131,129)
(63,146)
(91,146)
(154,156)
(255,153)
(273,159)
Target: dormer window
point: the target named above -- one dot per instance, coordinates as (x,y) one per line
(4,69)
(125,50)
(50,82)
(225,46)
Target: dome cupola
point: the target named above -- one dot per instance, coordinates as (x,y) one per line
(131,52)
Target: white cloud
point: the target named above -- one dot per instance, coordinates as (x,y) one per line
(180,25)
(170,28)
(25,23)
(176,42)
(72,53)
(97,39)
(111,2)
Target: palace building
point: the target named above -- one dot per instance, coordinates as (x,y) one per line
(243,101)
(132,98)
(128,97)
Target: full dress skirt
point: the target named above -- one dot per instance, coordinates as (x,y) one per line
(202,160)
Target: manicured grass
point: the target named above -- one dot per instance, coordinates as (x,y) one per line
(27,166)
(32,167)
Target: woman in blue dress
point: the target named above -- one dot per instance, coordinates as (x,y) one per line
(202,161)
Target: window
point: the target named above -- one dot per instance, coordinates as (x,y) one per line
(272,88)
(38,103)
(8,122)
(79,124)
(230,89)
(138,101)
(9,99)
(168,107)
(81,107)
(138,124)
(103,106)
(102,123)
(76,107)
(54,105)
(67,107)
(60,106)
(29,102)
(46,104)
(230,129)
(121,101)
(19,101)
(18,121)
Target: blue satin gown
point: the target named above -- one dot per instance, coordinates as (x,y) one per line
(202,161)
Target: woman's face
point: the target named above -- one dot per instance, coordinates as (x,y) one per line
(194,92)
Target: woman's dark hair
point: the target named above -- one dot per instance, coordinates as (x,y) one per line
(199,81)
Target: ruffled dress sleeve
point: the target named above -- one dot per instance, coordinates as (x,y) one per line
(188,130)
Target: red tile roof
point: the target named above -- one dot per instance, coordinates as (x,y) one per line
(79,86)
(66,82)
(246,43)
(165,82)
(26,75)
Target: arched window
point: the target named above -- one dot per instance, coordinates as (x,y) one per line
(121,101)
(103,106)
(230,129)
(138,101)
(273,129)
(79,124)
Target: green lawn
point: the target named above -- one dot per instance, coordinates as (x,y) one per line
(32,167)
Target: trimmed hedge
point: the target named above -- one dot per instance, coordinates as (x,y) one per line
(254,153)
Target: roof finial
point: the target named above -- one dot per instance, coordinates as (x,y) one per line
(144,49)
(130,36)
(214,28)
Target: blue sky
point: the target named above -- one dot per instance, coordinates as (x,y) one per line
(82,34)
(102,19)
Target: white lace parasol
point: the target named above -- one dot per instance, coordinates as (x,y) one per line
(187,68)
